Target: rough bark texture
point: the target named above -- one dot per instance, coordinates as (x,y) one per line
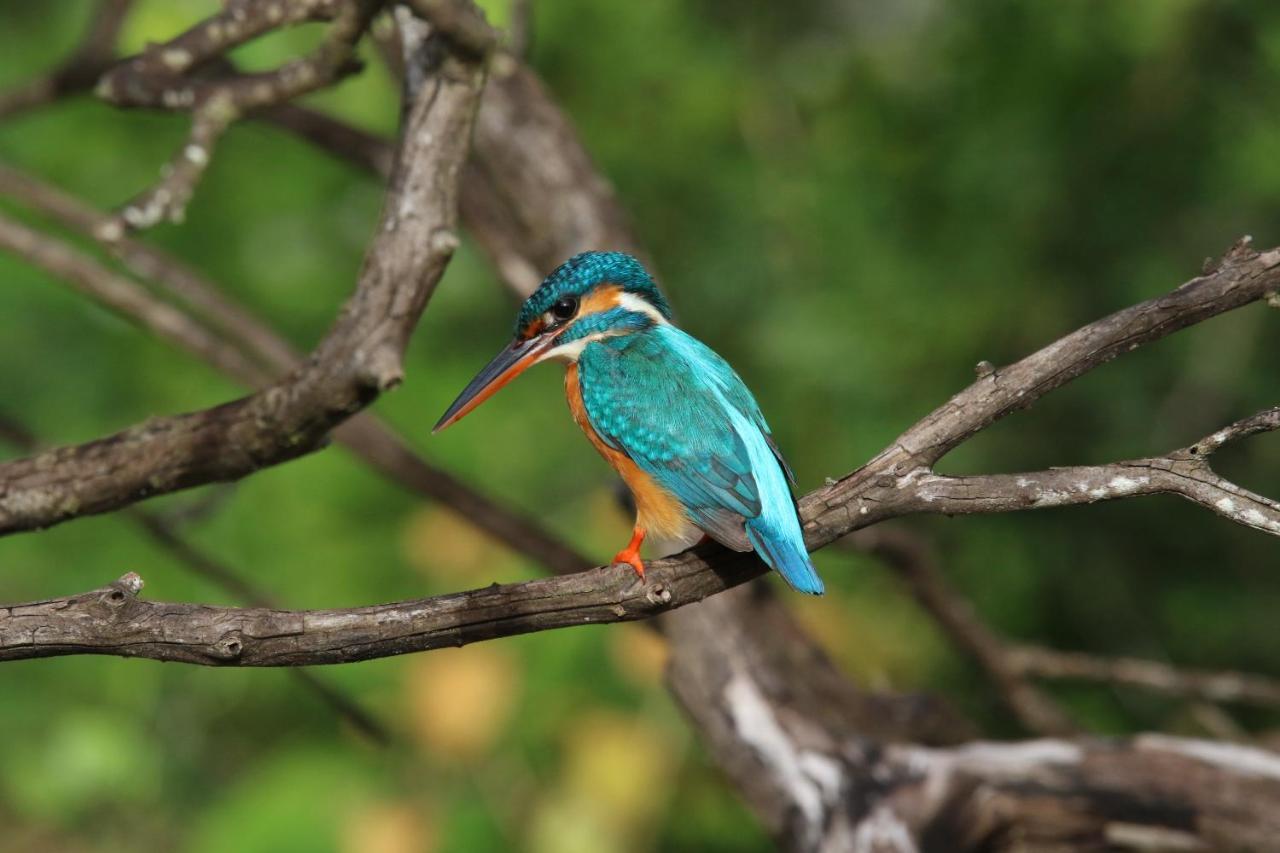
(823,778)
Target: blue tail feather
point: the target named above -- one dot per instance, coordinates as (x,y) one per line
(787,558)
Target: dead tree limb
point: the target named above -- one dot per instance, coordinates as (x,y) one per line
(879,490)
(358,359)
(214,323)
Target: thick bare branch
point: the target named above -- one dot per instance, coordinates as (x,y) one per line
(358,359)
(820,783)
(599,595)
(114,620)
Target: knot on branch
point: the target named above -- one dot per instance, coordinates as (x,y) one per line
(230,647)
(123,591)
(658,595)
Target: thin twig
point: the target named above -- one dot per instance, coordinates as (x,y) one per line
(1213,685)
(912,561)
(159,78)
(80,70)
(120,294)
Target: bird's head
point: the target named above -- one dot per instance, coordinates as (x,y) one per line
(590,296)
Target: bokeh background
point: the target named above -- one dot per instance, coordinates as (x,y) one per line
(854,202)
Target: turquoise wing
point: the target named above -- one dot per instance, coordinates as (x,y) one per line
(685,418)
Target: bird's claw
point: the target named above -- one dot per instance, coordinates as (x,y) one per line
(632,559)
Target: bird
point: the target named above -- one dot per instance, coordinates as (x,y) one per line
(668,413)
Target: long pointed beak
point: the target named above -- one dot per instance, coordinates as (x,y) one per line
(506,365)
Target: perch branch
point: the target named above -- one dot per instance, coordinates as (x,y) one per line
(194,633)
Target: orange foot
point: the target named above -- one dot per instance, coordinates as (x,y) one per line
(631,554)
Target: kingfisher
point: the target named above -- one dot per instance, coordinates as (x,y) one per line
(669,414)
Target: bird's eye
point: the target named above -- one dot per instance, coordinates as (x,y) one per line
(564,308)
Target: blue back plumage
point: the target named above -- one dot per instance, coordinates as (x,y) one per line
(681,413)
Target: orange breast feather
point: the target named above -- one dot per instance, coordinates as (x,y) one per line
(657,510)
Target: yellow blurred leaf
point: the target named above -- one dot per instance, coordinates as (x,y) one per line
(387,828)
(639,653)
(461,699)
(564,823)
(880,642)
(441,545)
(619,766)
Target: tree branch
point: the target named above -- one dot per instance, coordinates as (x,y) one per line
(358,359)
(900,480)
(120,294)
(195,633)
(258,344)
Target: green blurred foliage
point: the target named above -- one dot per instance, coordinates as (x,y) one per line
(854,202)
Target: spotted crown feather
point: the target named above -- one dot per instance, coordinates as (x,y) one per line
(581,273)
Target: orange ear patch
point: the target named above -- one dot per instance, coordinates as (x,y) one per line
(603,298)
